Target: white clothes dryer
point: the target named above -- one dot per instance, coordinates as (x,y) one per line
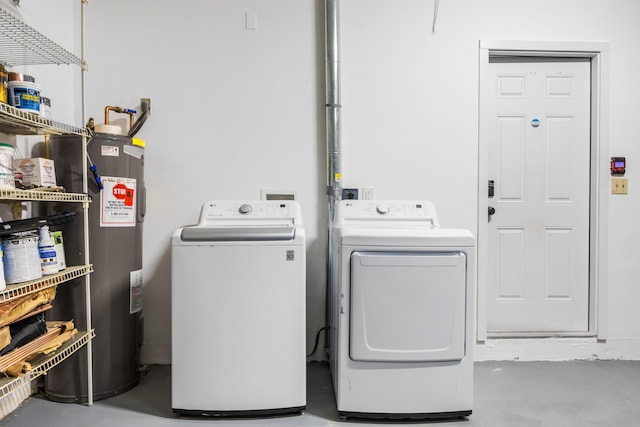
(401,312)
(238,311)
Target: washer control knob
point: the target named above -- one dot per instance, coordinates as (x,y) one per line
(245,209)
(382,209)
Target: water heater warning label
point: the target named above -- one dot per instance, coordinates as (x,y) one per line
(118,202)
(135,291)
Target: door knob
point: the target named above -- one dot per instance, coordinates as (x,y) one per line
(492,210)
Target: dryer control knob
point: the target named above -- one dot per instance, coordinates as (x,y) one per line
(382,209)
(245,209)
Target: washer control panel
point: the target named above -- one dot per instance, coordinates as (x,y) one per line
(215,211)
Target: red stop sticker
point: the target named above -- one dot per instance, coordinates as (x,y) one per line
(121,192)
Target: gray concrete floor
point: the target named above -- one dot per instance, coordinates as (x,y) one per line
(513,394)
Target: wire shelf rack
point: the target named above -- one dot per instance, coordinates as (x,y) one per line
(31,286)
(20,122)
(22,45)
(43,196)
(43,363)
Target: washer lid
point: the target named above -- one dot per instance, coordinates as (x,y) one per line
(244,221)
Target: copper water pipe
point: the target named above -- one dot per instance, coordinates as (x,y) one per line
(128,111)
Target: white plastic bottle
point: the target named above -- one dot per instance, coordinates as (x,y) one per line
(48,259)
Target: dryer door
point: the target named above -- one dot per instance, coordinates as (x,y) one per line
(408,307)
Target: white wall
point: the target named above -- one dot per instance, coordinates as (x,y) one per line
(233,111)
(236,110)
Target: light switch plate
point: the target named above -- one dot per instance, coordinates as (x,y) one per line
(619,185)
(251,21)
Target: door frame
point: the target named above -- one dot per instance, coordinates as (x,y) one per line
(598,53)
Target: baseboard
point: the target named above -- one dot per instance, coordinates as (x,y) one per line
(536,349)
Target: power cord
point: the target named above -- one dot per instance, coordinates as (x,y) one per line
(315,346)
(436,5)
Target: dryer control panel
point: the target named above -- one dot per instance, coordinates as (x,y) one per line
(386,210)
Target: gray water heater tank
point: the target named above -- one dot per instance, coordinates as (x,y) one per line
(116,215)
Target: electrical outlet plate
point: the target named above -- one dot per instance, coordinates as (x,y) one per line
(367,193)
(619,185)
(349,194)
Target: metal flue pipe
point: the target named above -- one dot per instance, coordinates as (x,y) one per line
(332,103)
(332,58)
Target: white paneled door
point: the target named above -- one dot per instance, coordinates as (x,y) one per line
(539,156)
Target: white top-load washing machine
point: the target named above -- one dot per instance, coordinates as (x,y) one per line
(401,312)
(238,311)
